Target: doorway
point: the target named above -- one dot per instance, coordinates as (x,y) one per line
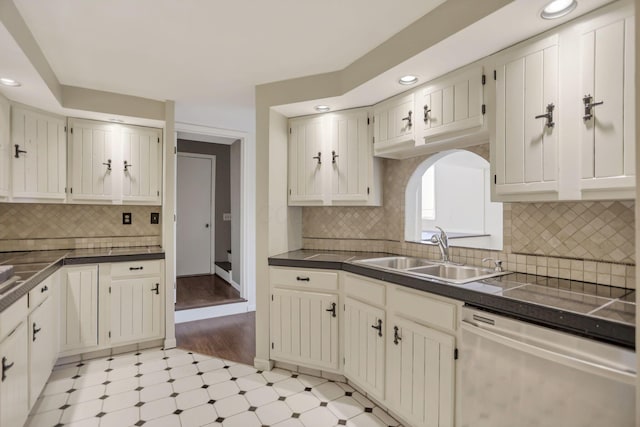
(205,196)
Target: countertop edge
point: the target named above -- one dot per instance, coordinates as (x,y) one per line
(575,323)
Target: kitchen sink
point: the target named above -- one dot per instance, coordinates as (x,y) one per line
(395,262)
(447,272)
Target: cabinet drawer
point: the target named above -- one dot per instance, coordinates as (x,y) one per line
(365,290)
(316,279)
(40,292)
(136,268)
(423,309)
(12,316)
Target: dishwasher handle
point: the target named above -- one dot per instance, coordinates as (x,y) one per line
(564,359)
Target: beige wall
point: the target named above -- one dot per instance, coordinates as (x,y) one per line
(32,226)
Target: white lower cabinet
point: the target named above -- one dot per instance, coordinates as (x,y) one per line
(42,346)
(304,328)
(79,308)
(14,366)
(420,373)
(364,345)
(136,302)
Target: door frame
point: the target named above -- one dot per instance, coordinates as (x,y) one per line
(212,213)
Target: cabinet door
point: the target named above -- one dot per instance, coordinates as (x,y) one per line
(79,308)
(135,309)
(42,347)
(40,171)
(5,142)
(93,161)
(452,105)
(526,146)
(14,387)
(420,373)
(307,162)
(608,131)
(142,164)
(350,158)
(364,348)
(304,328)
(393,125)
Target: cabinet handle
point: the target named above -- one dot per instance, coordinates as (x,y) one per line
(318,158)
(427,110)
(135,268)
(332,310)
(548,115)
(588,105)
(35,331)
(5,368)
(156,289)
(108,165)
(127,166)
(378,327)
(303,279)
(18,151)
(408,118)
(44,289)
(396,336)
(334,156)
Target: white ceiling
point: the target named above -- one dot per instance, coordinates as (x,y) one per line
(208,55)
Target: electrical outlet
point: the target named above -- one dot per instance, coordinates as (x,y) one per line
(226,217)
(155,218)
(126,218)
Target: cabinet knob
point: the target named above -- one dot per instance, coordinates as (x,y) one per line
(127,165)
(156,289)
(549,116)
(5,367)
(378,327)
(427,110)
(18,151)
(44,289)
(588,106)
(408,118)
(35,331)
(108,165)
(318,158)
(334,156)
(332,310)
(396,336)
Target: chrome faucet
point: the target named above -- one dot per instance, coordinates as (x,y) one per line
(497,262)
(442,241)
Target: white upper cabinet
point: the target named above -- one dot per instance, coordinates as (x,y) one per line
(607,131)
(92,167)
(5,142)
(331,161)
(142,164)
(38,156)
(451,106)
(526,131)
(97,169)
(394,123)
(354,170)
(306,172)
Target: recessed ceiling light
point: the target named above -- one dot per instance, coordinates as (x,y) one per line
(9,82)
(558,8)
(322,108)
(408,80)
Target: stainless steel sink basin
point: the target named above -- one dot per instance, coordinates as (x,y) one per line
(395,262)
(450,273)
(457,274)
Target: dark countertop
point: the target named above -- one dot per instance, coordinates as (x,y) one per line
(605,313)
(32,267)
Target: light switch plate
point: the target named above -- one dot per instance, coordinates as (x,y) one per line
(155,218)
(126,218)
(226,217)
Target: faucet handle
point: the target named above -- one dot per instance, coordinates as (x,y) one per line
(497,262)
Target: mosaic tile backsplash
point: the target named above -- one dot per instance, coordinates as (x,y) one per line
(31,226)
(587,241)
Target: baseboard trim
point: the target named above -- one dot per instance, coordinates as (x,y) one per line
(263,364)
(183,316)
(172,343)
(235,285)
(226,275)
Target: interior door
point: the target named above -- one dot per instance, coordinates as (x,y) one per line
(194,230)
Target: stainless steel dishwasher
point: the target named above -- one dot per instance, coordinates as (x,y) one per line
(518,374)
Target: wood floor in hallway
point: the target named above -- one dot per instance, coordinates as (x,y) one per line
(204,291)
(229,337)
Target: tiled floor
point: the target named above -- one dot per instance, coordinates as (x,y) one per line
(177,388)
